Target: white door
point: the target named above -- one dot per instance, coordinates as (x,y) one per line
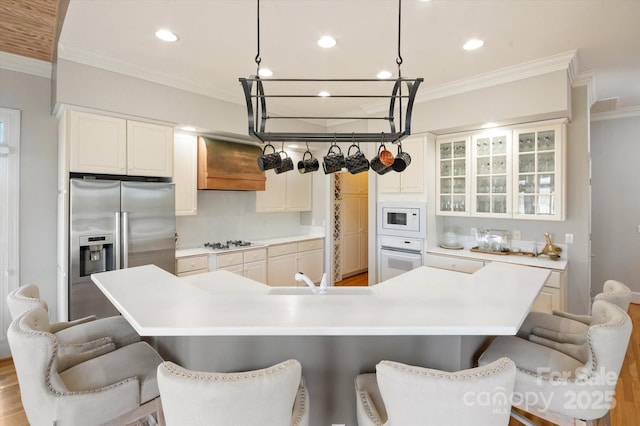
(9,208)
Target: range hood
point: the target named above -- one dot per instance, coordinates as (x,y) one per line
(229,166)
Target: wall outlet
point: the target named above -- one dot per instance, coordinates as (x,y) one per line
(568,238)
(516,235)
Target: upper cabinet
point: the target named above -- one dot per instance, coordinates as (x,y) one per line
(286,192)
(503,173)
(411,180)
(110,145)
(185,174)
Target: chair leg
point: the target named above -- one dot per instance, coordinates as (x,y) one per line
(134,416)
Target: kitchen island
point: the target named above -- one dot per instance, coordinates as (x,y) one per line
(220,321)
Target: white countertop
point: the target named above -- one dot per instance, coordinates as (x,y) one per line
(540,261)
(425,301)
(196,251)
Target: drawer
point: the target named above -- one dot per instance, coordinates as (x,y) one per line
(254,255)
(192,263)
(281,249)
(311,245)
(454,264)
(228,259)
(554,280)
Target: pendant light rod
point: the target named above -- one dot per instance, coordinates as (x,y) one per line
(258,59)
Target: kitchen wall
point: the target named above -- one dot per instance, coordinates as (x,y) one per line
(615,152)
(38,178)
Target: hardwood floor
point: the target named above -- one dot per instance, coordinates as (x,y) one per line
(625,413)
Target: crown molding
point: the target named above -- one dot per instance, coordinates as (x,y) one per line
(18,63)
(618,113)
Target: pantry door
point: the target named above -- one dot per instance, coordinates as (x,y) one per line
(9,207)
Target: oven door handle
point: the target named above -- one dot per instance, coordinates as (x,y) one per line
(399,250)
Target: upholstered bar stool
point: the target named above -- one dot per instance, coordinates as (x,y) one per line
(557,387)
(82,332)
(115,388)
(270,396)
(405,395)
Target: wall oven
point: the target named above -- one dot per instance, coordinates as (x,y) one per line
(399,255)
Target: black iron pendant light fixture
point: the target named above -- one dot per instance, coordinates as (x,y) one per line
(398,113)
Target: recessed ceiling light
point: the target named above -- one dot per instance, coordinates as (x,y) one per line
(166,35)
(383,74)
(188,128)
(324,94)
(265,72)
(489,125)
(473,44)
(327,42)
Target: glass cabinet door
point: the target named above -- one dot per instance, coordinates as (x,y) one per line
(452,175)
(491,172)
(538,174)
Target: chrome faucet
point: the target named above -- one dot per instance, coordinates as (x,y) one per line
(299,276)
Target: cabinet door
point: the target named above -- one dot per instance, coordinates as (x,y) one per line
(547,301)
(539,173)
(149,149)
(282,269)
(491,171)
(236,269)
(298,195)
(354,184)
(354,226)
(273,198)
(412,178)
(98,144)
(452,171)
(185,174)
(256,271)
(311,264)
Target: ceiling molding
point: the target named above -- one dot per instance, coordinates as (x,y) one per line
(618,113)
(18,63)
(587,79)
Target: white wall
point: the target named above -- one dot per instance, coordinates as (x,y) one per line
(38,179)
(615,152)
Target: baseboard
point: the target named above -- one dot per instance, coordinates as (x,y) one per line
(635,297)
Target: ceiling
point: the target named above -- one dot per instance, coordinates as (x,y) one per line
(217,41)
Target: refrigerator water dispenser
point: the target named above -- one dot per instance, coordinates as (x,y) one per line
(96,254)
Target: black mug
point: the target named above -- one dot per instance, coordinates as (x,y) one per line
(308,165)
(285,165)
(402,160)
(378,166)
(333,161)
(269,161)
(356,163)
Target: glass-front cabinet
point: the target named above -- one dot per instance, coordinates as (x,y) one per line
(491,160)
(453,176)
(515,172)
(538,178)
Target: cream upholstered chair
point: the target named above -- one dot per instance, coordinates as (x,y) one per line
(403,395)
(118,385)
(567,332)
(560,388)
(82,332)
(271,396)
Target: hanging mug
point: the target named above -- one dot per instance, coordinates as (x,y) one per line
(333,161)
(377,165)
(269,161)
(357,162)
(385,156)
(308,165)
(402,160)
(286,164)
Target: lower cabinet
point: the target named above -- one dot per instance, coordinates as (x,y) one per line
(191,265)
(284,260)
(453,263)
(248,263)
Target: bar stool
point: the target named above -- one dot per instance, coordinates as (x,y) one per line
(560,388)
(271,396)
(401,394)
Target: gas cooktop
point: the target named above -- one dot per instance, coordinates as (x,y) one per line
(230,245)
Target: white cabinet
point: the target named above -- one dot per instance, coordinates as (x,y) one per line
(110,145)
(284,260)
(355,228)
(191,265)
(468,266)
(185,174)
(249,263)
(289,191)
(411,180)
(514,173)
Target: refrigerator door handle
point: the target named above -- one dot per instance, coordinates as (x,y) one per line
(125,240)
(117,240)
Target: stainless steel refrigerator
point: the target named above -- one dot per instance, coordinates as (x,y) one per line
(116,224)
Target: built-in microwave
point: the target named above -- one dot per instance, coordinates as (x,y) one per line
(402,218)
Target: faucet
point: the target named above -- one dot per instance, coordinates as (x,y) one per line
(299,276)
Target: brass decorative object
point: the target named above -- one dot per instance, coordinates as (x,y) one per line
(550,249)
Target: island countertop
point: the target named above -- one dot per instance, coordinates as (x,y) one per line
(424,301)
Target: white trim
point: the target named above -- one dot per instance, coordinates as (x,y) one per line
(10,275)
(618,113)
(18,63)
(635,297)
